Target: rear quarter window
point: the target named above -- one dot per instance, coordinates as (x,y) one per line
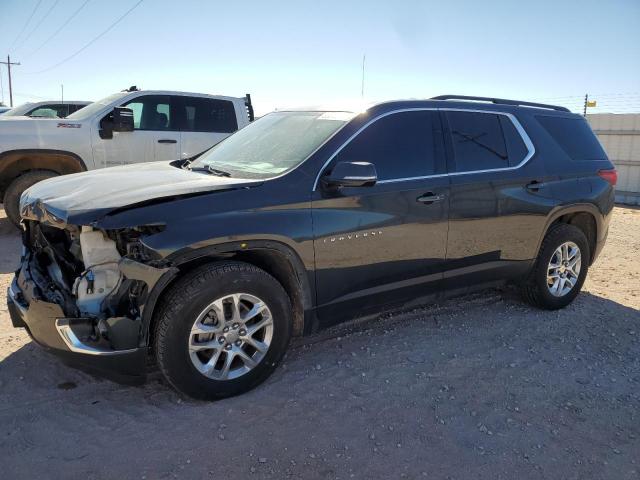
(574,136)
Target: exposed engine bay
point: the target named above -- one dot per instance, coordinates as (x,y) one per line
(99,279)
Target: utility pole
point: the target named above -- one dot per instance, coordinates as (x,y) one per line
(586,101)
(1,89)
(364,57)
(8,63)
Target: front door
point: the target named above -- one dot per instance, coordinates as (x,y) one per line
(155,136)
(384,244)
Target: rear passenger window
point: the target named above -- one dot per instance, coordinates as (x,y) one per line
(516,149)
(208,115)
(574,136)
(478,142)
(401,145)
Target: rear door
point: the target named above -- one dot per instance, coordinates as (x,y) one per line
(384,244)
(499,200)
(204,122)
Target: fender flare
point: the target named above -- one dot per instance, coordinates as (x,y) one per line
(220,251)
(559,211)
(15,162)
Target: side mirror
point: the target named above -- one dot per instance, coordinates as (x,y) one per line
(122,119)
(351,174)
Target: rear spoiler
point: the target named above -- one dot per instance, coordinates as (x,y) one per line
(247,102)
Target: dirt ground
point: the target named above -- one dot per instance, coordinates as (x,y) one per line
(479,387)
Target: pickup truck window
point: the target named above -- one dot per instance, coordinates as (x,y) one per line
(151,112)
(207,115)
(274,144)
(400,145)
(50,111)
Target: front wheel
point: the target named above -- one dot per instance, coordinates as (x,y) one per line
(222,330)
(560,269)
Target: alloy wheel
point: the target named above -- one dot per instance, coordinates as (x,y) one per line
(231,336)
(564,269)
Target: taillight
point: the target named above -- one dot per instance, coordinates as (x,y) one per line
(610,176)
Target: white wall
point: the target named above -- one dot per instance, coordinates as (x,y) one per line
(620,136)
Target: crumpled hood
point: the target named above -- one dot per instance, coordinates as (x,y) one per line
(59,200)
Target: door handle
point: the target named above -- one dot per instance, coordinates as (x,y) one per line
(167,140)
(535,186)
(429,198)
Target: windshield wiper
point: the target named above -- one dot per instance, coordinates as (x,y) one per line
(210,169)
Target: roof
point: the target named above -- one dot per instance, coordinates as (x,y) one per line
(443,101)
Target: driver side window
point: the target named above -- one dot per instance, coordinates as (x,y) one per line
(401,145)
(151,112)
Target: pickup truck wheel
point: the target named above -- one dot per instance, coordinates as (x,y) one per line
(12,194)
(560,269)
(222,330)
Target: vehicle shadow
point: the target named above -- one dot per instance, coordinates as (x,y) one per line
(32,371)
(479,360)
(9,244)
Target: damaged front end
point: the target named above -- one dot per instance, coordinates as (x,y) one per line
(82,291)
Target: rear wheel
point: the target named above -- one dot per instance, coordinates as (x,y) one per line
(560,269)
(222,330)
(13,192)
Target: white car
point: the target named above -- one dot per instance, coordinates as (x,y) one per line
(124,128)
(48,109)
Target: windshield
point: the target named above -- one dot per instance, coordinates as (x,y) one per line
(272,145)
(94,107)
(19,110)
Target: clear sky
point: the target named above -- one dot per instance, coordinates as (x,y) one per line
(310,52)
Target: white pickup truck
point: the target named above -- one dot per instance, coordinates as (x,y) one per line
(126,127)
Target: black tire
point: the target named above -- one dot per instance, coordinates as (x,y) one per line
(535,290)
(13,192)
(183,303)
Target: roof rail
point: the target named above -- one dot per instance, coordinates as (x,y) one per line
(501,101)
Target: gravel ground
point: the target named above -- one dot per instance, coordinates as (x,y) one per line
(479,387)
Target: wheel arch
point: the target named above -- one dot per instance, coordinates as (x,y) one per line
(277,259)
(14,163)
(586,217)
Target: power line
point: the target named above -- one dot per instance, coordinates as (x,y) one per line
(92,41)
(27,23)
(40,22)
(66,22)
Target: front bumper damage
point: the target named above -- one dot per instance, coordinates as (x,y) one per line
(112,342)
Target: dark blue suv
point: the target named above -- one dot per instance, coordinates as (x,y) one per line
(304,219)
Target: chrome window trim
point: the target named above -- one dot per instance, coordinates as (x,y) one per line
(521,131)
(407,179)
